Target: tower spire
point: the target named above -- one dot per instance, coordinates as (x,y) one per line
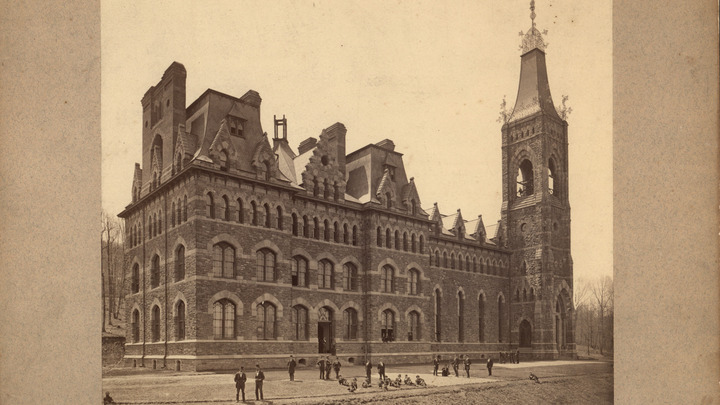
(532,12)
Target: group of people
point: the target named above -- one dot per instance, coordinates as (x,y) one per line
(241,378)
(465,360)
(512,357)
(325,366)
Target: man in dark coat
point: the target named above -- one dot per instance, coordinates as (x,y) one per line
(381,370)
(240,379)
(368,370)
(467,365)
(321,366)
(259,377)
(436,364)
(328,367)
(456,365)
(517,356)
(291,368)
(336,367)
(489,365)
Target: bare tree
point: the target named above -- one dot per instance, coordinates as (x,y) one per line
(602,290)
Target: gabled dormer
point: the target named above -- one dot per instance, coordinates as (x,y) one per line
(324,174)
(222,151)
(385,193)
(264,161)
(137,183)
(458,226)
(411,199)
(479,232)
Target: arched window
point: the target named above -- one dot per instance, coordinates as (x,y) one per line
(532,294)
(387,279)
(150,226)
(224,160)
(355,235)
(209,206)
(295,225)
(413,245)
(155,271)
(481,319)
(437,258)
(266,320)
(279,218)
(225,209)
(452,260)
(438,330)
(398,245)
(388,238)
(136,326)
(461,316)
(413,207)
(299,320)
(517,295)
(325,274)
(268,220)
(414,282)
(179,211)
(172,215)
(379,237)
(299,271)
(552,188)
(306,226)
(253,213)
(336,191)
(316,228)
(224,319)
(316,187)
(414,326)
(525,179)
(223,260)
(445,260)
(240,211)
(524,295)
(474,265)
(525,334)
(326,189)
(180,321)
(460,262)
(265,265)
(467,264)
(346,234)
(501,315)
(336,232)
(160,227)
(350,277)
(388,200)
(155,323)
(327,232)
(405,241)
(350,319)
(387,324)
(180,263)
(422,244)
(135,279)
(185,209)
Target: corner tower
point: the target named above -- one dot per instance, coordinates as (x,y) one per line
(536,211)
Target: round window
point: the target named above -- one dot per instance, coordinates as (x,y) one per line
(325,160)
(523,227)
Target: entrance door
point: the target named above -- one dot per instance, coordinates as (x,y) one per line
(525,334)
(324,337)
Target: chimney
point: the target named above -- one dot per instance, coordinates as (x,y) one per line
(306,145)
(386,144)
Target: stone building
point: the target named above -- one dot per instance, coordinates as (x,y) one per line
(245,250)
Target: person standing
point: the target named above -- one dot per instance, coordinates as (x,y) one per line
(456,365)
(436,364)
(381,370)
(368,370)
(240,379)
(467,365)
(291,368)
(328,367)
(336,367)
(321,366)
(259,378)
(517,356)
(489,365)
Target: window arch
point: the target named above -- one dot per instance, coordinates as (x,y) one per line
(253,213)
(452,260)
(268,219)
(414,282)
(525,334)
(350,277)
(240,211)
(398,246)
(159,219)
(350,319)
(295,225)
(279,218)
(266,320)
(388,200)
(414,326)
(524,179)
(481,319)
(461,316)
(316,228)
(225,209)
(387,279)
(180,321)
(327,230)
(155,323)
(326,189)
(336,232)
(325,274)
(552,186)
(223,260)
(185,209)
(172,215)
(224,319)
(299,271)
(405,241)
(155,271)
(378,238)
(524,294)
(422,244)
(460,262)
(387,324)
(180,263)
(355,235)
(445,260)
(135,279)
(388,238)
(265,265)
(209,206)
(413,207)
(413,245)
(306,226)
(346,234)
(299,320)
(136,326)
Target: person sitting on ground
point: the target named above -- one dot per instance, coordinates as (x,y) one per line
(353,385)
(398,381)
(446,370)
(343,381)
(408,381)
(366,383)
(108,399)
(420,382)
(534,378)
(385,384)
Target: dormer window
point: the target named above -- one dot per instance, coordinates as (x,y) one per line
(391,171)
(236,126)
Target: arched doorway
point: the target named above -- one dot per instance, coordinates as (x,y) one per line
(525,334)
(326,331)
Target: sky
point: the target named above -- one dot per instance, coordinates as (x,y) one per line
(428,75)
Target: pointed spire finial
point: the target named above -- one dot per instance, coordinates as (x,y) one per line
(532,12)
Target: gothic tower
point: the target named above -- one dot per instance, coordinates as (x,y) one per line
(536,211)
